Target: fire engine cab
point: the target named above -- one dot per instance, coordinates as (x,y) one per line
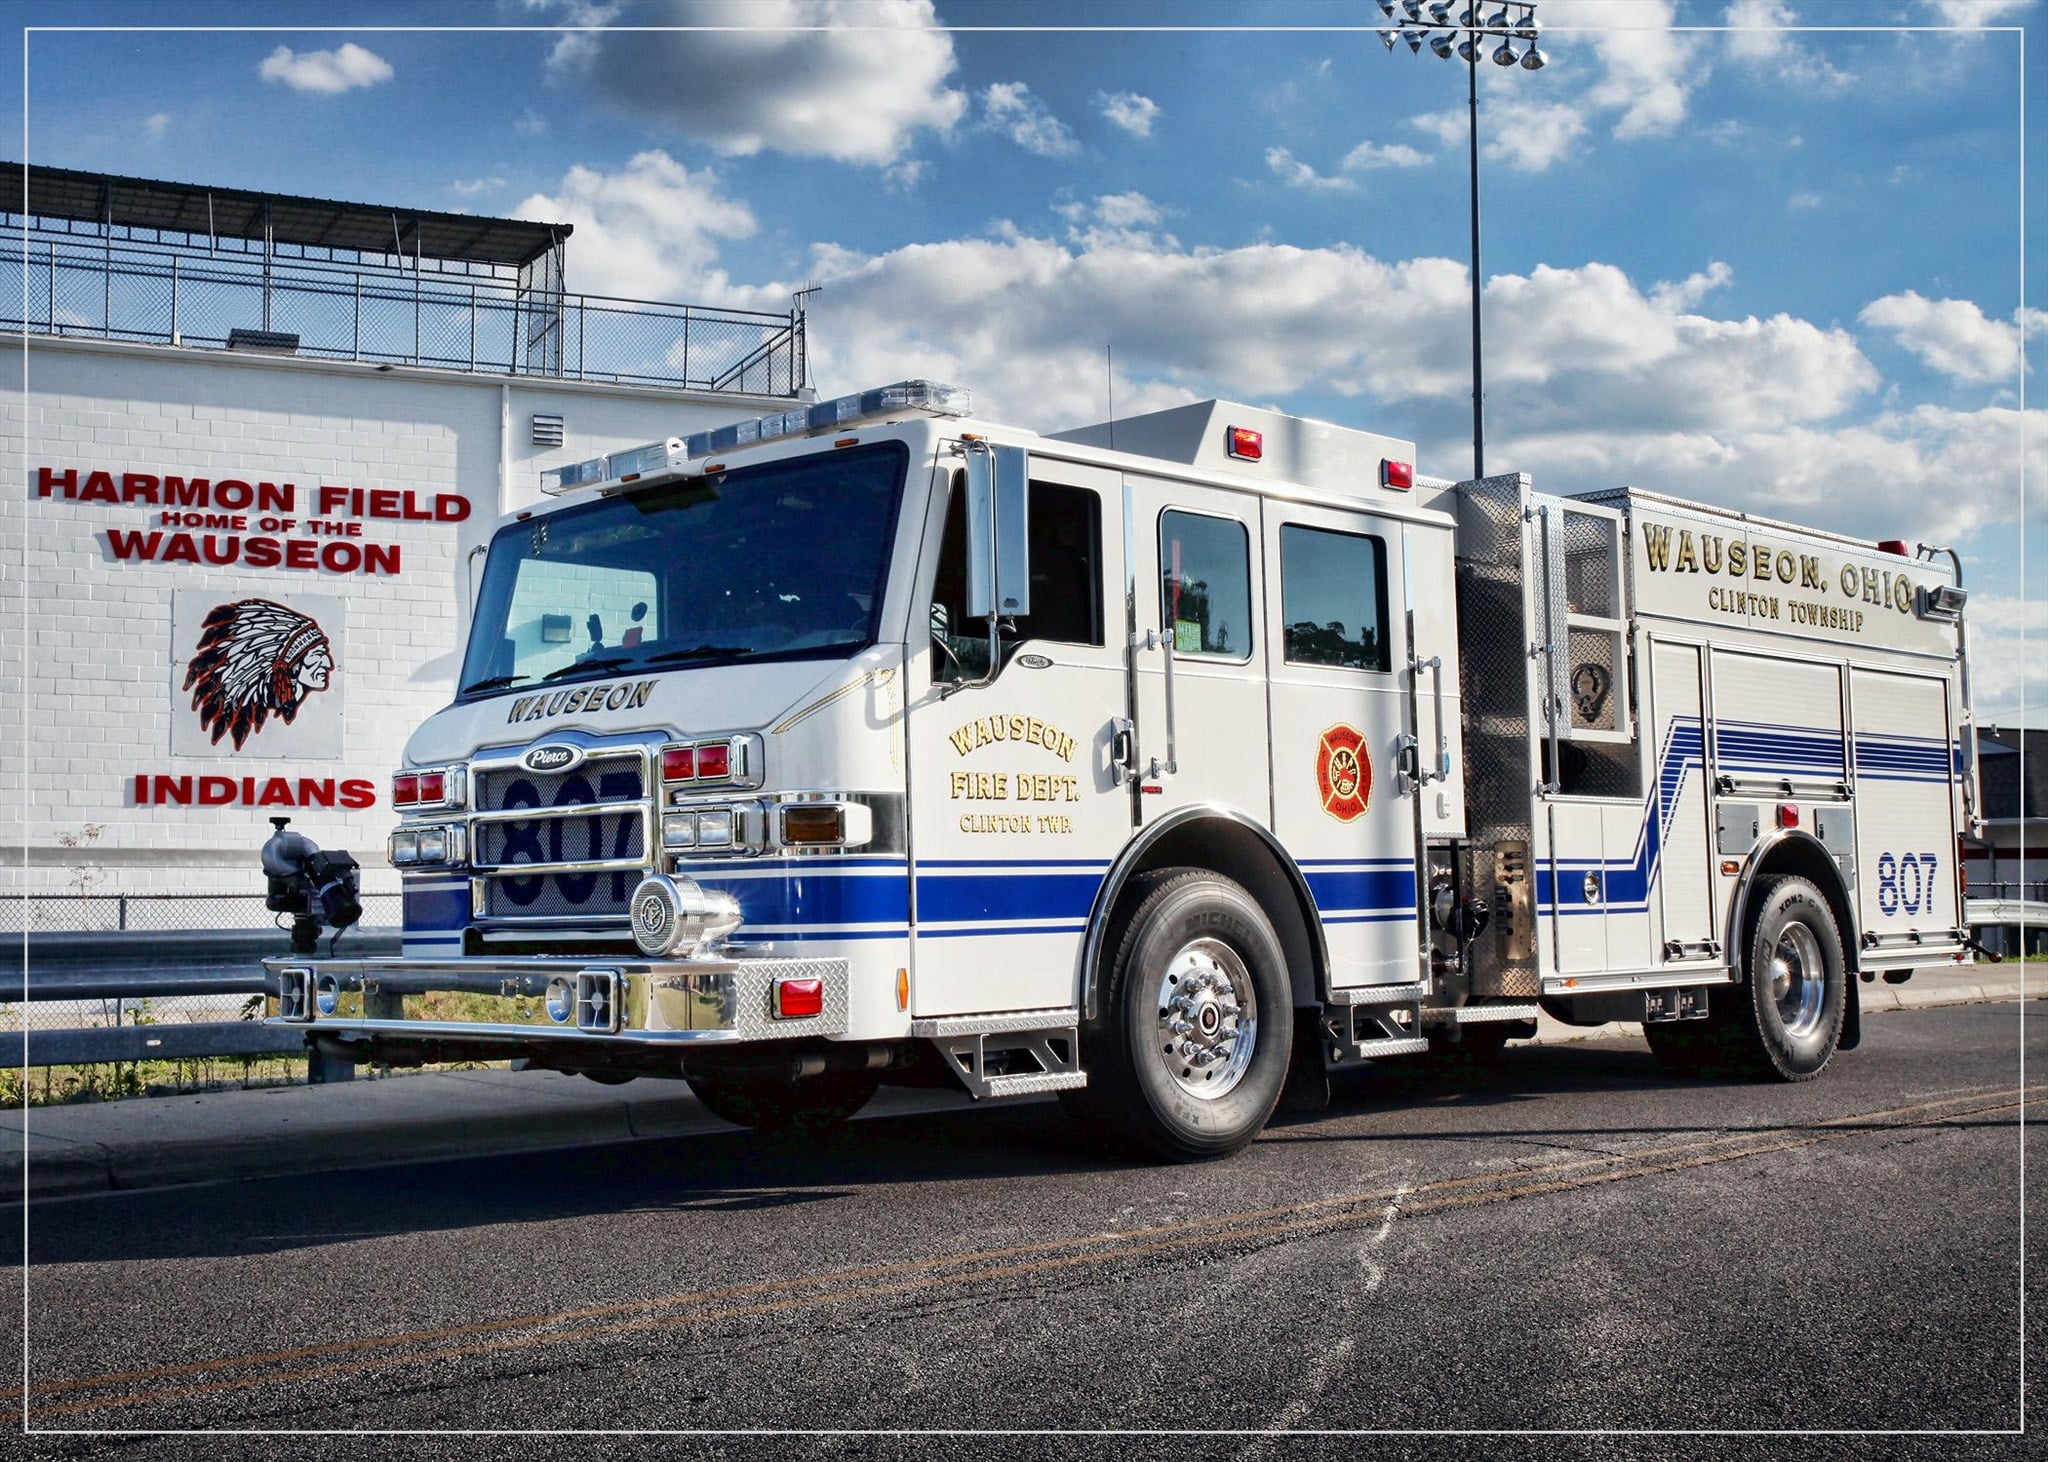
(1154,763)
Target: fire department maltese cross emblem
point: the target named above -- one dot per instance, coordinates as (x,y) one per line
(1343,773)
(256,659)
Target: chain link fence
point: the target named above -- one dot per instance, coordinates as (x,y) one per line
(113,913)
(95,288)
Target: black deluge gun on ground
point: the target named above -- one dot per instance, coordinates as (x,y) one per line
(319,890)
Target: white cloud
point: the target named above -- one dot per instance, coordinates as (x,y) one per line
(1971,14)
(1593,380)
(1369,155)
(530,123)
(1688,292)
(854,80)
(648,231)
(1009,107)
(904,176)
(1126,109)
(472,187)
(1517,132)
(1128,210)
(1648,68)
(1953,337)
(156,125)
(327,73)
(2000,657)
(1760,39)
(1804,201)
(1295,173)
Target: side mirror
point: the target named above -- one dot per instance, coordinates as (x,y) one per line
(998,531)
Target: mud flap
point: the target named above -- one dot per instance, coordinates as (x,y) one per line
(1852,1016)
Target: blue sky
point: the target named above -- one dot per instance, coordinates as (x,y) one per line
(1727,254)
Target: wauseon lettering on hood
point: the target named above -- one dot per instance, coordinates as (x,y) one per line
(610,696)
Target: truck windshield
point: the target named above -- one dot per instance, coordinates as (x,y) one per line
(783,561)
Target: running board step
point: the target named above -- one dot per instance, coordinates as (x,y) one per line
(1035,1081)
(1477,1014)
(1380,994)
(1388,1046)
(1014,1053)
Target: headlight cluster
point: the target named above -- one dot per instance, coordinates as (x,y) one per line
(758,827)
(718,829)
(440,843)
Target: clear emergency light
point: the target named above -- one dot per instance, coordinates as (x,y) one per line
(636,463)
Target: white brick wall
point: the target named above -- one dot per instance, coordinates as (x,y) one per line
(85,641)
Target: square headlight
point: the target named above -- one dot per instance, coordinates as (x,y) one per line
(714,828)
(404,849)
(679,830)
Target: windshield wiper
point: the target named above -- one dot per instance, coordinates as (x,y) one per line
(698,652)
(603,662)
(492,683)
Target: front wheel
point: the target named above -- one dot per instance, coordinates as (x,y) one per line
(770,1103)
(1191,1052)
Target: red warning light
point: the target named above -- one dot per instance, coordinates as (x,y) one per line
(1400,476)
(1245,444)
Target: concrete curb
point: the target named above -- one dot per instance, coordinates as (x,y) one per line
(162,1141)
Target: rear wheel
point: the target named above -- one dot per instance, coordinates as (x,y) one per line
(771,1103)
(1785,1020)
(1192,1048)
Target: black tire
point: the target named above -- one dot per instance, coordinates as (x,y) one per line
(1785,1020)
(777,1104)
(1197,950)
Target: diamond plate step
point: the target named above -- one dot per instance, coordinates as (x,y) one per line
(1390,1046)
(1035,1081)
(1379,994)
(1476,1014)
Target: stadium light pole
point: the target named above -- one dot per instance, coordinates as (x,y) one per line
(1465,36)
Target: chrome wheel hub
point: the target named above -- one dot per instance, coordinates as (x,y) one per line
(1798,979)
(1208,1019)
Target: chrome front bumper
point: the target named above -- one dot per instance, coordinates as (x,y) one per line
(635,1001)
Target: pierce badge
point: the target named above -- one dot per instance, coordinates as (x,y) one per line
(1343,773)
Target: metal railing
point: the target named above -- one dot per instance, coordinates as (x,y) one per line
(90,288)
(91,997)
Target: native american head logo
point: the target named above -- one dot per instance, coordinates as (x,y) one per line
(255,659)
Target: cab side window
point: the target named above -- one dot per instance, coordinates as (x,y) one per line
(1333,598)
(1205,588)
(1066,580)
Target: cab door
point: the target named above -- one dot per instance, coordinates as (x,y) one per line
(1015,812)
(1200,650)
(1341,704)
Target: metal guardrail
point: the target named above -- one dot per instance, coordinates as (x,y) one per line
(126,968)
(94,288)
(1983,912)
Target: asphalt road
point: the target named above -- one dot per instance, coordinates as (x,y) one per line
(1575,1242)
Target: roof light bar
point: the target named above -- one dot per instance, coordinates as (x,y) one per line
(672,455)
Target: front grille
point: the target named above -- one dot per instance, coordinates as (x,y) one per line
(593,838)
(610,779)
(612,787)
(560,896)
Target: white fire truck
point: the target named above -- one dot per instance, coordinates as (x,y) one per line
(1153,763)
